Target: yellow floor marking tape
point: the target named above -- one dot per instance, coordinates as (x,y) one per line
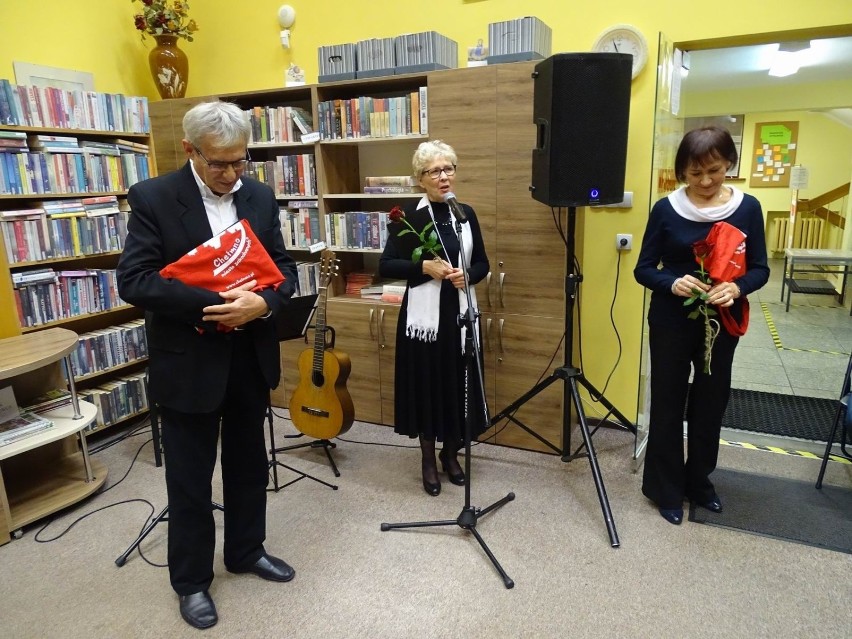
(776,339)
(784,451)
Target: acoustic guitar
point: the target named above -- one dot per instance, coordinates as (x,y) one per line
(321,407)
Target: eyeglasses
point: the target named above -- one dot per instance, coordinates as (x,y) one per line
(221,167)
(449,171)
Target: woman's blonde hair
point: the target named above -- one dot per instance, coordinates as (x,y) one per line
(428,151)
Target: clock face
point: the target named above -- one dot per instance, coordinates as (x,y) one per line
(624,39)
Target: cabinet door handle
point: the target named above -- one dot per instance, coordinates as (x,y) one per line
(500,333)
(488,288)
(488,335)
(382,326)
(372,313)
(502,281)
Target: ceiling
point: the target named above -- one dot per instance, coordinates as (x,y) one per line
(747,66)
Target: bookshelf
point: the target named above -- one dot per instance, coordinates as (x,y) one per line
(48,471)
(63,219)
(485,113)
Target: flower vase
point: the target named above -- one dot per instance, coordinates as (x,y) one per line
(169,67)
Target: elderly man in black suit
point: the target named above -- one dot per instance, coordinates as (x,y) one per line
(202,378)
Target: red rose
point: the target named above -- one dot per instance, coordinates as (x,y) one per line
(396,214)
(702,249)
(147,3)
(140,22)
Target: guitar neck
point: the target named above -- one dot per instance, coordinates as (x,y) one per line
(319,334)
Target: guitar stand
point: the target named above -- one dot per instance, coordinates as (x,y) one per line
(163,516)
(317,443)
(274,463)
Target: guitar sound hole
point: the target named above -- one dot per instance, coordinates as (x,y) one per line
(318,378)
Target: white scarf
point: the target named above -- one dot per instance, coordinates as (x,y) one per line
(686,209)
(424,301)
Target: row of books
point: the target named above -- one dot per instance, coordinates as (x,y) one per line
(49,295)
(392,184)
(528,34)
(86,171)
(287,174)
(365,116)
(357,229)
(309,279)
(52,107)
(117,399)
(300,227)
(279,125)
(109,347)
(64,229)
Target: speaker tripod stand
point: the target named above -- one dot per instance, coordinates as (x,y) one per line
(573,378)
(469,515)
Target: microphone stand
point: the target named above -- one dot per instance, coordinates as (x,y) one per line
(469,515)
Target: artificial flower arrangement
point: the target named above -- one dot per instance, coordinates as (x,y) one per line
(164,17)
(428,237)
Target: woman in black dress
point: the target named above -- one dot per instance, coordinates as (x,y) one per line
(429,377)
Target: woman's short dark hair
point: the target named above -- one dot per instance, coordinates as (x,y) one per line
(701,146)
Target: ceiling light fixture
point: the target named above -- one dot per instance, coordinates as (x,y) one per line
(789,58)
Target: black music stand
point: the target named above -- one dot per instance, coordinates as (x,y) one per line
(292,323)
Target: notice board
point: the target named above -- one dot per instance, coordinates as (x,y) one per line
(774,153)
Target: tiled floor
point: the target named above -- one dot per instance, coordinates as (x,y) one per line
(810,351)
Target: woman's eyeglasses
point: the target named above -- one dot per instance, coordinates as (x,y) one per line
(449,171)
(221,167)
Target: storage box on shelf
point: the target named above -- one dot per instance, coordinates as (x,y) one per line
(486,115)
(63,220)
(46,471)
(517,40)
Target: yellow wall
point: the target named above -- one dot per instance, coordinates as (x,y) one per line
(237,48)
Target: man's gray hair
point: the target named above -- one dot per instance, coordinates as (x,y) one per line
(220,124)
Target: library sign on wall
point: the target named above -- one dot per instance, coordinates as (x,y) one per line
(774,153)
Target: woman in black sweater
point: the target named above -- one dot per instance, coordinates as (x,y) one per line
(668,265)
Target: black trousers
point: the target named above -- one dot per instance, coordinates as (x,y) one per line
(190,443)
(668,477)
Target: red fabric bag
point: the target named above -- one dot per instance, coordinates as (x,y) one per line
(726,263)
(225,261)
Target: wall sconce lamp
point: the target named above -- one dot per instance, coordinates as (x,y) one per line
(286,18)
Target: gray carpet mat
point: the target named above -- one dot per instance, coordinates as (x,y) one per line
(781,508)
(775,414)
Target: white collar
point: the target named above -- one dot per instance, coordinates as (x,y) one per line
(686,209)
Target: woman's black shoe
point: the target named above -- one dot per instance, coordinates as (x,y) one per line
(455,478)
(433,488)
(672,515)
(713,505)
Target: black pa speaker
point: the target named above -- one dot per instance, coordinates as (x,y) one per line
(581,111)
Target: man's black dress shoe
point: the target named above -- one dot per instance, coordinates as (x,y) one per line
(713,505)
(269,568)
(198,610)
(672,515)
(458,478)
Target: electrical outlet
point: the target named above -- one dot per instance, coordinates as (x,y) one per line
(623,241)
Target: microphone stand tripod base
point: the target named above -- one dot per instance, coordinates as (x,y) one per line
(467,520)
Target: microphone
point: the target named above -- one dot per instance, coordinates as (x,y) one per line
(455,207)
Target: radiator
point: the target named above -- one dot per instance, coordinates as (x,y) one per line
(807,233)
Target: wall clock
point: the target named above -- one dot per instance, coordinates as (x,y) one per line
(624,38)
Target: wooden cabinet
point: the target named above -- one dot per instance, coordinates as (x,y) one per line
(48,471)
(367,333)
(485,113)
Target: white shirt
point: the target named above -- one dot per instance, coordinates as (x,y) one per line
(221,210)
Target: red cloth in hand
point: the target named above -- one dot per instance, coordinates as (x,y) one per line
(726,263)
(225,261)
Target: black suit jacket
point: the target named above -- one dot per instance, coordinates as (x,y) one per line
(189,367)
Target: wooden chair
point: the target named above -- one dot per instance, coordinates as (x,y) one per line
(843,420)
